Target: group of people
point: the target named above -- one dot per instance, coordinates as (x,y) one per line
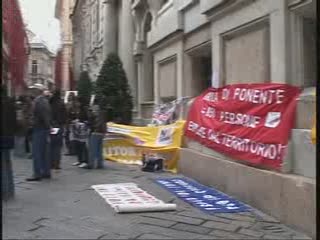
(82,126)
(84,134)
(45,121)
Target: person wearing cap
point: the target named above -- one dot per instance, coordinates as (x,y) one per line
(40,135)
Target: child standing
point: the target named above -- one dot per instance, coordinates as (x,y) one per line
(81,133)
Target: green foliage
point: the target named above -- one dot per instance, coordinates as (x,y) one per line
(84,88)
(113,91)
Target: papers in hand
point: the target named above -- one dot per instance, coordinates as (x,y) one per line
(54,131)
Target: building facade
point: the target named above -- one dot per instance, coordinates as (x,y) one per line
(15,48)
(189,40)
(41,63)
(101,27)
(172,48)
(63,10)
(243,41)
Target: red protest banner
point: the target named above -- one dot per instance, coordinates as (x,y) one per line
(250,122)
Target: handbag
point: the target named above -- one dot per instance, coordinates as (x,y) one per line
(152,164)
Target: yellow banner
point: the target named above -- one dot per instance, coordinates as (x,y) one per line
(126,144)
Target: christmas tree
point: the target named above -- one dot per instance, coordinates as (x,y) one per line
(84,88)
(113,91)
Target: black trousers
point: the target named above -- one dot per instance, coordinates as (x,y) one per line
(70,144)
(56,142)
(81,151)
(27,140)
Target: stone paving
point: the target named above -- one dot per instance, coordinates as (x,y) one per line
(65,207)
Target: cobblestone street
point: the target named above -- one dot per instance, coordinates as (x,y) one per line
(66,207)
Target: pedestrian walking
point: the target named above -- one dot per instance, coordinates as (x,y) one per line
(81,133)
(8,128)
(40,135)
(97,122)
(58,121)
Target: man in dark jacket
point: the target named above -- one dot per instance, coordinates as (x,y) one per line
(8,128)
(58,123)
(40,135)
(97,123)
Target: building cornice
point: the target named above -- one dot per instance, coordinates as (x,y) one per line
(41,47)
(173,37)
(225,7)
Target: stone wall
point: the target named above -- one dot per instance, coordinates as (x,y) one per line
(290,199)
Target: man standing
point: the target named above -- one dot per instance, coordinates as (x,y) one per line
(98,126)
(40,135)
(58,122)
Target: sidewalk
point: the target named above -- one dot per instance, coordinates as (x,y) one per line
(65,207)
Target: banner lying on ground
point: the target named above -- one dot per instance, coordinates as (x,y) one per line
(206,199)
(251,122)
(128,197)
(126,144)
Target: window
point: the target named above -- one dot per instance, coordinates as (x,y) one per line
(34,67)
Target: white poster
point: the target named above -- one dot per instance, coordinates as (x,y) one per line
(67,94)
(165,136)
(128,197)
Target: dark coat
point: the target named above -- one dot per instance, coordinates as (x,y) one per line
(42,113)
(59,115)
(8,123)
(98,122)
